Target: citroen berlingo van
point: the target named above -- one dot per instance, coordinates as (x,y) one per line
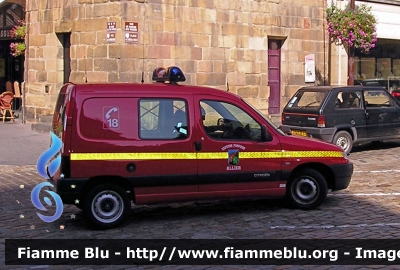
(163,142)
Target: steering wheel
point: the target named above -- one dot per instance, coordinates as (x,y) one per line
(242,132)
(247,128)
(228,132)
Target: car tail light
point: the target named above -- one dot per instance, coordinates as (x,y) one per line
(321,121)
(396,94)
(283,119)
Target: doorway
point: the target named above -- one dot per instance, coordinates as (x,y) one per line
(65,40)
(11,67)
(274,76)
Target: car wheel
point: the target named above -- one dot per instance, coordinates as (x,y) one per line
(107,206)
(344,140)
(307,189)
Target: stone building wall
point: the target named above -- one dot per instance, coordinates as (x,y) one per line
(214,42)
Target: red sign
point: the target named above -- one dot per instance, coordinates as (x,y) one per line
(131,26)
(111,29)
(131,32)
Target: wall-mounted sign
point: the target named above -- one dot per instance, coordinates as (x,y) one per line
(111,30)
(131,32)
(5,33)
(309,68)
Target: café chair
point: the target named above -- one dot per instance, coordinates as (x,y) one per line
(9,87)
(17,96)
(6,101)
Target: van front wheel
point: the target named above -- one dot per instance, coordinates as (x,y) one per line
(107,206)
(307,189)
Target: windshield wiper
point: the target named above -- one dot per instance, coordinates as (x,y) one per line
(311,103)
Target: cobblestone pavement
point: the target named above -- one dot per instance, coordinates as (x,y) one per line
(19,145)
(368,209)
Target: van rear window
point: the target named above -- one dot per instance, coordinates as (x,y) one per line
(59,112)
(307,99)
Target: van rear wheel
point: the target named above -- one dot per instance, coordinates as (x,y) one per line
(107,206)
(307,189)
(344,140)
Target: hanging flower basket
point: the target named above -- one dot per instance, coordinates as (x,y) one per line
(17,48)
(18,32)
(355,28)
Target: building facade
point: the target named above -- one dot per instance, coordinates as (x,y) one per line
(259,49)
(11,67)
(383,61)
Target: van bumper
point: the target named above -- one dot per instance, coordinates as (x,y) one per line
(343,173)
(325,134)
(69,189)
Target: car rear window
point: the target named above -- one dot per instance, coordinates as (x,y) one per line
(307,99)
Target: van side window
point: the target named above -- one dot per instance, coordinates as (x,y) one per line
(222,120)
(163,119)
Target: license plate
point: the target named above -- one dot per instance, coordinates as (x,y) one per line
(299,132)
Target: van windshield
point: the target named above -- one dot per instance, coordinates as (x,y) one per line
(307,99)
(272,124)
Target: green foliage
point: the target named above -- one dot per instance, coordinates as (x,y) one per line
(352,27)
(18,32)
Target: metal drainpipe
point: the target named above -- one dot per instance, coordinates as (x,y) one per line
(324,33)
(27,15)
(350,73)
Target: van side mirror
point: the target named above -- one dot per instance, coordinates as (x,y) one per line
(265,135)
(286,130)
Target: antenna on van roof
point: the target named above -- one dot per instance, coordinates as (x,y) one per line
(85,70)
(226,66)
(144,23)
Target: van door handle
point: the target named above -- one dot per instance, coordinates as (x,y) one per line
(198,146)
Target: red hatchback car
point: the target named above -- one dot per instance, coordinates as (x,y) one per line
(164,142)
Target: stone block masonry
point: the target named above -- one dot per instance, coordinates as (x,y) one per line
(213,41)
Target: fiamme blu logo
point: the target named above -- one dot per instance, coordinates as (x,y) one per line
(47,165)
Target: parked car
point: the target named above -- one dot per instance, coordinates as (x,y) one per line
(396,94)
(162,142)
(343,115)
(391,85)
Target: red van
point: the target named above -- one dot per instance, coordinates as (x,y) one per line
(164,142)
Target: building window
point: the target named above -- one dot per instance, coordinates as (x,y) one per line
(380,66)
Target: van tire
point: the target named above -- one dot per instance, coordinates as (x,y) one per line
(307,189)
(344,140)
(107,206)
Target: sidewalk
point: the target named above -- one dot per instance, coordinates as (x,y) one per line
(19,145)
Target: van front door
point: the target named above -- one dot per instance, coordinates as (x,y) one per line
(232,158)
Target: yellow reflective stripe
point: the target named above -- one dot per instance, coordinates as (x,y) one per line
(202,155)
(306,154)
(130,156)
(213,155)
(260,154)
